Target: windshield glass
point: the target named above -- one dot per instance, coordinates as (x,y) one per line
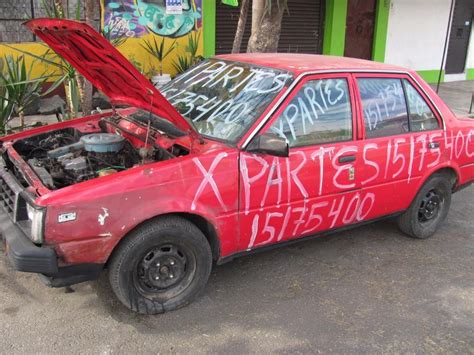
(223,99)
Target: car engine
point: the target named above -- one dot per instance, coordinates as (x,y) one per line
(66,157)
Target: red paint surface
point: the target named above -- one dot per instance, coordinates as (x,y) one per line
(104,66)
(257,200)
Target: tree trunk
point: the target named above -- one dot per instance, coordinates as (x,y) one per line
(70,110)
(86,100)
(266,26)
(21,115)
(244,10)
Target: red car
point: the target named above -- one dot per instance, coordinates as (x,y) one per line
(240,153)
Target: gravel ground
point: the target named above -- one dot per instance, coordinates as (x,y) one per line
(367,290)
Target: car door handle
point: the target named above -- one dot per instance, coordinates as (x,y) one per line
(433,145)
(347,159)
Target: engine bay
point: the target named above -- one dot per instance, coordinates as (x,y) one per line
(68,156)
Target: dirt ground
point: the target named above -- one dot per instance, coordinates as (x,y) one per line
(370,289)
(367,290)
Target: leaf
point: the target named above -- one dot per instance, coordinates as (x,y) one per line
(55,85)
(182,64)
(46,9)
(170,49)
(78,11)
(158,49)
(42,59)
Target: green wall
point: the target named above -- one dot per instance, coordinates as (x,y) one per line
(335,27)
(209,27)
(470,74)
(431,76)
(380,30)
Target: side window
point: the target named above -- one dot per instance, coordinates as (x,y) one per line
(421,116)
(319,113)
(384,107)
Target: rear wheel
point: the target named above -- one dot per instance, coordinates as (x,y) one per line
(161,266)
(429,208)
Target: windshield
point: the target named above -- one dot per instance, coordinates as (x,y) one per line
(223,99)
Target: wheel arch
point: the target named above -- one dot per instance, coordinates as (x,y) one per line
(449,171)
(203,224)
(206,227)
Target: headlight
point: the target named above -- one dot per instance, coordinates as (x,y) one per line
(36,216)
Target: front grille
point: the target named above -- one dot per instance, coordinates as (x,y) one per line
(8,197)
(11,197)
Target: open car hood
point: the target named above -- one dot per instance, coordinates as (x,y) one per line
(105,67)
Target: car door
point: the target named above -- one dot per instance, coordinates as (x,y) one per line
(317,187)
(402,138)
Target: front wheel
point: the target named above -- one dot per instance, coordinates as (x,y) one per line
(162,266)
(429,208)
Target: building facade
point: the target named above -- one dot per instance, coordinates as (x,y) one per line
(433,37)
(409,33)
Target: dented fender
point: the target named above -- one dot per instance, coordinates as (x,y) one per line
(108,208)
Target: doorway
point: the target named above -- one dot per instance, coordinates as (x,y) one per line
(360,29)
(459,37)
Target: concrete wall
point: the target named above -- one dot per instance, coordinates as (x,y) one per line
(416,33)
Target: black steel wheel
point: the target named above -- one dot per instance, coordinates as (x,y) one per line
(161,266)
(429,208)
(166,268)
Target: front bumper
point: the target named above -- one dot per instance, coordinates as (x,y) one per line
(28,257)
(22,253)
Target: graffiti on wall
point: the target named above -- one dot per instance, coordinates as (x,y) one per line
(135,18)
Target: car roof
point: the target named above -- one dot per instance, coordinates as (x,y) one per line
(302,63)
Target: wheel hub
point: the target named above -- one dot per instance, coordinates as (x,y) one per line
(161,268)
(430,206)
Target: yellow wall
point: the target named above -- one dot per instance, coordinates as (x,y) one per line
(39,69)
(130,47)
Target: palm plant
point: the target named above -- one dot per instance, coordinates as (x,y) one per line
(6,108)
(193,44)
(66,76)
(56,10)
(190,58)
(182,63)
(115,40)
(19,89)
(158,50)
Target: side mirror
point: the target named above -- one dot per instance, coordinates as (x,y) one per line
(271,144)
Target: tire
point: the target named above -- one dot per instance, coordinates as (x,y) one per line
(422,219)
(161,266)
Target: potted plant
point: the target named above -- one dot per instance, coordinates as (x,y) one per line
(157,49)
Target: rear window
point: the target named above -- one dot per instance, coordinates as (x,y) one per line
(421,116)
(384,107)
